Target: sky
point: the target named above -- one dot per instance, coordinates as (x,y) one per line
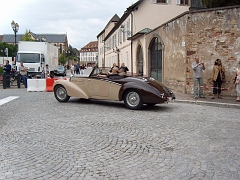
(82,20)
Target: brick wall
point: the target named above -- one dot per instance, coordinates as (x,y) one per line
(210,34)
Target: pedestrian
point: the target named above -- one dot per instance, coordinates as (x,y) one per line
(7,68)
(72,69)
(46,72)
(198,77)
(82,67)
(217,77)
(77,68)
(23,71)
(237,82)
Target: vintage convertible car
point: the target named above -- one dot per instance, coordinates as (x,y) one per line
(134,91)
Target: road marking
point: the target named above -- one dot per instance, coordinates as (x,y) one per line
(7,99)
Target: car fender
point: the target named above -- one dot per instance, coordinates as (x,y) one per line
(144,89)
(72,89)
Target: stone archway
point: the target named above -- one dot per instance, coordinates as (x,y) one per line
(156,58)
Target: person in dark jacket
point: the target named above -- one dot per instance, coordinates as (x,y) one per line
(78,68)
(123,68)
(7,68)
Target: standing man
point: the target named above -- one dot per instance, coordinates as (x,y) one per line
(23,71)
(198,78)
(78,68)
(7,68)
(46,72)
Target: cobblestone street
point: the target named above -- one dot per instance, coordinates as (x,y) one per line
(44,139)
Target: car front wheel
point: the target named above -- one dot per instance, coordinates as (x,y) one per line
(133,100)
(60,93)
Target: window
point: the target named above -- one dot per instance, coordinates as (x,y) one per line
(119,37)
(128,29)
(184,2)
(161,1)
(114,40)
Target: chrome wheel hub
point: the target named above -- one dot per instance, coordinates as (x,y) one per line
(133,99)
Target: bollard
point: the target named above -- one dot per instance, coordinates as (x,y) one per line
(8,77)
(4,80)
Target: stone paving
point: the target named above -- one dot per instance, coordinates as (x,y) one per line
(44,139)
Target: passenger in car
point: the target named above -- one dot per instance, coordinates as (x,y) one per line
(114,65)
(123,68)
(110,74)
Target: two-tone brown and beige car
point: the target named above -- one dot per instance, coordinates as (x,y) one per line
(134,91)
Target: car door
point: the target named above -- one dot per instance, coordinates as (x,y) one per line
(102,88)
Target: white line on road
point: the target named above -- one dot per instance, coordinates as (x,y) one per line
(7,99)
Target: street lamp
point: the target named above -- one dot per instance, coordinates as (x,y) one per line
(129,33)
(15,28)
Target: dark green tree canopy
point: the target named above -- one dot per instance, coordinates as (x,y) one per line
(220,3)
(3,46)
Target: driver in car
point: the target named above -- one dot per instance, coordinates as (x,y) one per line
(110,74)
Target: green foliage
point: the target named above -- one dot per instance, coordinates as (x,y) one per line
(3,46)
(220,3)
(26,37)
(1,70)
(62,59)
(71,52)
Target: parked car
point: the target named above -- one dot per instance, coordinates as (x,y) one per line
(134,91)
(61,71)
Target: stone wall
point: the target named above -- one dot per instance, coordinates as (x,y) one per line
(210,34)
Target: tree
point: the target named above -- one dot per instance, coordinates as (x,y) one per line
(71,54)
(62,59)
(3,46)
(26,37)
(71,51)
(220,3)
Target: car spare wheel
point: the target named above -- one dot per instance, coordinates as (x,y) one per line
(60,93)
(133,100)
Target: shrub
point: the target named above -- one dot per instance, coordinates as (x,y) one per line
(1,70)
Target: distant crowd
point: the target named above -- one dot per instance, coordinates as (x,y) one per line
(77,68)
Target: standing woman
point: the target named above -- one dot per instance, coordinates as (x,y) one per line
(237,82)
(218,70)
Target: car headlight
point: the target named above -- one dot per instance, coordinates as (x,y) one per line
(152,79)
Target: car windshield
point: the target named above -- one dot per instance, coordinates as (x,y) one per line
(60,67)
(28,57)
(100,71)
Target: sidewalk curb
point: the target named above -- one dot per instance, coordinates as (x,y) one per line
(215,104)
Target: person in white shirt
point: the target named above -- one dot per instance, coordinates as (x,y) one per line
(198,77)
(23,71)
(46,72)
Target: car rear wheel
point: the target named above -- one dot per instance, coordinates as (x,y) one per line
(133,100)
(60,93)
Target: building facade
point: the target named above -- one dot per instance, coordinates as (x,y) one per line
(165,48)
(115,46)
(89,54)
(59,40)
